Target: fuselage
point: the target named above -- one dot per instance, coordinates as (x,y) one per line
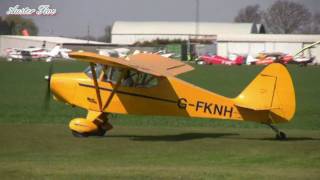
(169,97)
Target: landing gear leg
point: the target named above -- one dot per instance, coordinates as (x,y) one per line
(103,125)
(279,134)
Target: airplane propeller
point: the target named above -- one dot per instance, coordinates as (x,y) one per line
(48,92)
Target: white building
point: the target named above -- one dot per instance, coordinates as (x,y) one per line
(124,32)
(240,38)
(254,43)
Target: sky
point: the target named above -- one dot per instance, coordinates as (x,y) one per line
(73,17)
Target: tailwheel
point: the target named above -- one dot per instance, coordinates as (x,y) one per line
(279,134)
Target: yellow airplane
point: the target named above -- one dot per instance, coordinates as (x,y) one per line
(145,84)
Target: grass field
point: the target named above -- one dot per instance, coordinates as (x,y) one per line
(36,144)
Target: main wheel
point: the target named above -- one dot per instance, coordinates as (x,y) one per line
(80,135)
(281,136)
(101,132)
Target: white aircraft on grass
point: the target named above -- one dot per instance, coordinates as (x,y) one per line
(118,52)
(301,59)
(32,53)
(124,52)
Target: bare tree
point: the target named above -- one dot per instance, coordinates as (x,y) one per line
(316,18)
(314,26)
(86,37)
(249,14)
(286,17)
(107,34)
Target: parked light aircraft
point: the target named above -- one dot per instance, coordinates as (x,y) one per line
(299,57)
(146,84)
(32,53)
(117,52)
(215,59)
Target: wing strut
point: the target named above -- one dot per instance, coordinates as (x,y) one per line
(114,90)
(94,77)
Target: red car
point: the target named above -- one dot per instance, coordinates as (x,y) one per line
(215,59)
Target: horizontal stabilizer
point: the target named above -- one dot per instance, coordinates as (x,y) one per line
(254,108)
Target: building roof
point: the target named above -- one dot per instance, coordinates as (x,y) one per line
(304,38)
(57,40)
(181,28)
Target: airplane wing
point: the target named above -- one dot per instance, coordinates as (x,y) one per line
(117,62)
(16,50)
(155,65)
(148,63)
(163,65)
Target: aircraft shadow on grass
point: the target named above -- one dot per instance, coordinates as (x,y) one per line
(293,139)
(194,136)
(174,137)
(288,139)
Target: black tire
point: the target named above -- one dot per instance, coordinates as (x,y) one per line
(281,136)
(101,132)
(79,135)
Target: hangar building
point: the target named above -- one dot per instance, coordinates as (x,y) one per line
(253,44)
(124,32)
(228,38)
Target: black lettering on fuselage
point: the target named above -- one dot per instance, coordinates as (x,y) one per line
(199,105)
(207,107)
(182,103)
(91,100)
(217,108)
(226,110)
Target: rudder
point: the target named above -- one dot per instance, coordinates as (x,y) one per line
(272,90)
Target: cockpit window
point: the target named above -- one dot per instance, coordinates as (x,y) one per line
(146,80)
(112,74)
(98,69)
(131,78)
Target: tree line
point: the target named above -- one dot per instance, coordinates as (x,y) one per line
(14,25)
(282,17)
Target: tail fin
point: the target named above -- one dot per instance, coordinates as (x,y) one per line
(55,51)
(272,90)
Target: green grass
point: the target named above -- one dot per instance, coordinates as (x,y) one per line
(36,144)
(48,151)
